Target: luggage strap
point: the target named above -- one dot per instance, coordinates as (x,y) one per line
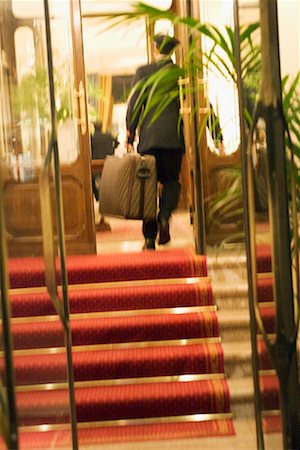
(143,172)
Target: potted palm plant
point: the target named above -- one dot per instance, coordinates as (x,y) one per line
(220,58)
(225,205)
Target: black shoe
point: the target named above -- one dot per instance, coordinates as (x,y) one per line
(164,233)
(149,244)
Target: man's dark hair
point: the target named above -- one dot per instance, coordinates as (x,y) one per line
(165,44)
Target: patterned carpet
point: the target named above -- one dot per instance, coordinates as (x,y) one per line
(134,358)
(30,272)
(269,386)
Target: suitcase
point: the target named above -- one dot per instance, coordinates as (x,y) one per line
(128,187)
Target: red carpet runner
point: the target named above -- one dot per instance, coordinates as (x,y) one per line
(134,357)
(268,379)
(112,267)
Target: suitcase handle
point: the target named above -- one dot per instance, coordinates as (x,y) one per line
(143,170)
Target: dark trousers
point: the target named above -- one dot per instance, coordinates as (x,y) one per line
(95,181)
(168,163)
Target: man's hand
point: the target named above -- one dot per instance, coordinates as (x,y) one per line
(130,148)
(129,142)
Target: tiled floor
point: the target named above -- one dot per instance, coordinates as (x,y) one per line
(126,236)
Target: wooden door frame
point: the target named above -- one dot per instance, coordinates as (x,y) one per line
(84,158)
(23,224)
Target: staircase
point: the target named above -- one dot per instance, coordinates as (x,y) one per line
(148,362)
(228,274)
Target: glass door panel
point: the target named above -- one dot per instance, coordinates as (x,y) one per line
(26,128)
(112,55)
(40,358)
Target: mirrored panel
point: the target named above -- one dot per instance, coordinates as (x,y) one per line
(31,90)
(220,82)
(39,355)
(26,125)
(112,54)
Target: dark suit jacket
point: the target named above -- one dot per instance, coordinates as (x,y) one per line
(166,132)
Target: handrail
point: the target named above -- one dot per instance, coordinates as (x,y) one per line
(249,229)
(62,308)
(8,411)
(284,351)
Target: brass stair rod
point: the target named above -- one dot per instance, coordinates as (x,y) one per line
(9,424)
(249,230)
(60,230)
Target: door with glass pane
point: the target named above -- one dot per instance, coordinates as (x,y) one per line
(26,127)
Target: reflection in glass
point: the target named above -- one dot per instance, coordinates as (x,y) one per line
(220,91)
(112,55)
(24,135)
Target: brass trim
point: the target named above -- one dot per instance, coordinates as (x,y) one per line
(114,284)
(121,381)
(263,305)
(80,96)
(118,345)
(271,336)
(267,372)
(118,313)
(264,274)
(271,412)
(125,422)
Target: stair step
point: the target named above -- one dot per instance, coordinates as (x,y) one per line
(265,288)
(264,358)
(121,363)
(237,359)
(269,387)
(93,434)
(234,326)
(121,298)
(218,259)
(242,394)
(230,296)
(235,258)
(116,329)
(178,263)
(125,402)
(264,258)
